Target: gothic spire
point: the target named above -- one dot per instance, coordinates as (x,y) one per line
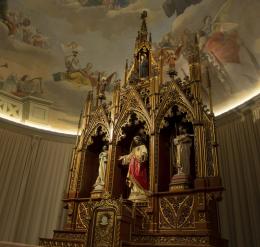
(143,33)
(144,26)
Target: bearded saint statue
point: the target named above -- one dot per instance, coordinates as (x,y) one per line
(183,143)
(137,178)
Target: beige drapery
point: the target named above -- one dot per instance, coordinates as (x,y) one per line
(239,154)
(33,173)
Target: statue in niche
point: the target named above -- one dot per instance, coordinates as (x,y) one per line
(183,143)
(103,157)
(137,178)
(144,65)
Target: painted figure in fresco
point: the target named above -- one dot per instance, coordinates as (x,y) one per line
(74,72)
(103,157)
(103,84)
(102,87)
(137,178)
(72,62)
(183,143)
(144,66)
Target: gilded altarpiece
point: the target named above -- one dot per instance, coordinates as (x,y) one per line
(168,122)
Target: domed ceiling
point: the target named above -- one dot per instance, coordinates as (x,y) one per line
(54,51)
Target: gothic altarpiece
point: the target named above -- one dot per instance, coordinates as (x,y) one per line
(144,169)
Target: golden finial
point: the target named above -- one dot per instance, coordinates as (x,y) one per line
(143,17)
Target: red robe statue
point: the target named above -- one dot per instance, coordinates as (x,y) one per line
(137,172)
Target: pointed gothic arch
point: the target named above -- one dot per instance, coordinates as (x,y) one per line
(132,104)
(173,97)
(99,122)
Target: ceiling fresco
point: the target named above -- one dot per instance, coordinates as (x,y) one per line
(53,52)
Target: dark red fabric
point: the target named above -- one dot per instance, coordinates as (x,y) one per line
(138,172)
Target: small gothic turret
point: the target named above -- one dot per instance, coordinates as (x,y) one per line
(142,36)
(142,67)
(144,26)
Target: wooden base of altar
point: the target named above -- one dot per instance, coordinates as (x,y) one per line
(184,218)
(96,194)
(179,182)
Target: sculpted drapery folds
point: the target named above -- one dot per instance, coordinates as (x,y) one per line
(103,157)
(183,143)
(137,178)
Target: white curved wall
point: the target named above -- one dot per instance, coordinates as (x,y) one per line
(33,171)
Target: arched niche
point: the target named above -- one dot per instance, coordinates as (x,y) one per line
(93,147)
(168,130)
(133,126)
(143,57)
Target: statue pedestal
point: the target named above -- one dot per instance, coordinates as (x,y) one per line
(137,197)
(97,192)
(179,182)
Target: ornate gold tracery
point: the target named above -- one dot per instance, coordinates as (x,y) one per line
(172,97)
(132,104)
(186,216)
(99,129)
(98,125)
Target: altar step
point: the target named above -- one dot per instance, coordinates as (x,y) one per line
(162,244)
(50,242)
(65,238)
(15,244)
(160,240)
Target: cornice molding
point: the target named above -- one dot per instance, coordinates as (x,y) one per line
(252,107)
(30,131)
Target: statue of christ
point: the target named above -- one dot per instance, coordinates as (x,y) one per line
(137,178)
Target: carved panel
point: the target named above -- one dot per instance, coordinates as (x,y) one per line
(63,243)
(103,231)
(174,240)
(145,95)
(176,212)
(83,216)
(70,206)
(11,109)
(105,225)
(70,235)
(145,217)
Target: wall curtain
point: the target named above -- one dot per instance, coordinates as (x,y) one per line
(33,172)
(239,154)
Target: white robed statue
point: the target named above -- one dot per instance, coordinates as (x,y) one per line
(183,143)
(137,178)
(100,181)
